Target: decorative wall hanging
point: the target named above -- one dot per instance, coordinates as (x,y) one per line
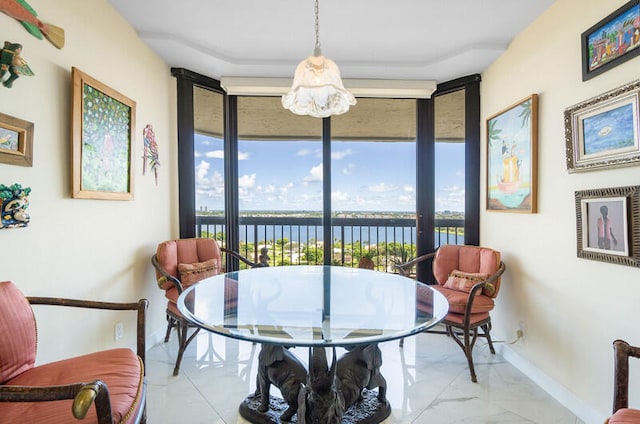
(612,41)
(607,223)
(20,10)
(102,140)
(603,131)
(16,141)
(14,203)
(150,152)
(512,158)
(12,65)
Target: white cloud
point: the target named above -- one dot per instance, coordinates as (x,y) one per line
(304,152)
(341,154)
(247,181)
(215,154)
(315,174)
(270,189)
(202,169)
(339,196)
(243,155)
(382,187)
(409,188)
(349,169)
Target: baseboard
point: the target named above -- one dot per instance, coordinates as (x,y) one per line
(580,409)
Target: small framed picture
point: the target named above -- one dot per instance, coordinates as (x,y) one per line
(16,141)
(612,41)
(603,131)
(103,123)
(606,219)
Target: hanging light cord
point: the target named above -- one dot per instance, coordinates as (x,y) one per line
(317,51)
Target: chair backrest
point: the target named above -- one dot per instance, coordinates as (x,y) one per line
(468,259)
(170,254)
(17,333)
(622,352)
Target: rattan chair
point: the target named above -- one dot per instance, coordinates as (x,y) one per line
(182,262)
(622,414)
(66,391)
(469,277)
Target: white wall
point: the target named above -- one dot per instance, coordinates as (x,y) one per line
(95,249)
(572,308)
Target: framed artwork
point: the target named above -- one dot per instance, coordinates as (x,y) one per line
(512,157)
(16,141)
(103,123)
(612,41)
(607,223)
(603,131)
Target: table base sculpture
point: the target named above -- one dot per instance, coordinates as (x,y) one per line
(339,394)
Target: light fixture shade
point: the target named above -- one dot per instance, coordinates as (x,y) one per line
(317,89)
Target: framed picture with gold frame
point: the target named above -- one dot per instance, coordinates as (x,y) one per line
(512,158)
(16,141)
(103,122)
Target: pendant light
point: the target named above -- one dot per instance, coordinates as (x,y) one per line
(317,88)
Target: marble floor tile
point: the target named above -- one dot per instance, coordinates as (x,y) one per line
(427,382)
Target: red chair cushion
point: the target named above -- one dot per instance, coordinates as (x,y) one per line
(184,251)
(120,369)
(469,259)
(458,301)
(625,416)
(18,332)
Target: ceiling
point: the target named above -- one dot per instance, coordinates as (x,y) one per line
(402,39)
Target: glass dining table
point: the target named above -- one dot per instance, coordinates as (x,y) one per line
(317,307)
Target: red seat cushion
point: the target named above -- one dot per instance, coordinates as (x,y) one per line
(120,369)
(458,301)
(468,259)
(625,416)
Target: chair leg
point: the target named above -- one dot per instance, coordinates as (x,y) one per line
(466,344)
(402,342)
(183,341)
(170,324)
(487,334)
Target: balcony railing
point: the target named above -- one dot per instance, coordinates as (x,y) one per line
(299,240)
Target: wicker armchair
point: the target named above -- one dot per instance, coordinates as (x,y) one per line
(64,391)
(469,277)
(181,263)
(622,414)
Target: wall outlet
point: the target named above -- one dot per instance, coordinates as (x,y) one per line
(118,331)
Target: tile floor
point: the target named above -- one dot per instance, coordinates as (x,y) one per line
(427,382)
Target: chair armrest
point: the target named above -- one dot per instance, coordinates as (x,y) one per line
(165,276)
(478,287)
(84,395)
(251,264)
(140,307)
(405,268)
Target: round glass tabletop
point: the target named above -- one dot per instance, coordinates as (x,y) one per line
(311,306)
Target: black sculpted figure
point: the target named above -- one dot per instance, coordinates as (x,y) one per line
(320,400)
(278,366)
(360,368)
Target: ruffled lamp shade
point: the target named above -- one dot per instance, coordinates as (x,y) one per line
(317,89)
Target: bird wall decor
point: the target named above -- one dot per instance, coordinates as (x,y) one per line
(20,10)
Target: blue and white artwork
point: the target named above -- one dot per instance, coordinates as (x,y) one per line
(609,132)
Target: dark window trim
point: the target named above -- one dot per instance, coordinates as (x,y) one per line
(425,161)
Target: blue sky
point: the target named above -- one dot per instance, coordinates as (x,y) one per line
(287,175)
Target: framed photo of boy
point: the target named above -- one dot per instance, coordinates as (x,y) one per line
(606,219)
(612,41)
(103,122)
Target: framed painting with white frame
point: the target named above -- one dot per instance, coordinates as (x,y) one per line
(607,221)
(603,131)
(103,123)
(512,158)
(16,141)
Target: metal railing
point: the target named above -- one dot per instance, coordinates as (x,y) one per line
(299,240)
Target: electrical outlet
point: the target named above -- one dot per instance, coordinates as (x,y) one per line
(520,334)
(119,331)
